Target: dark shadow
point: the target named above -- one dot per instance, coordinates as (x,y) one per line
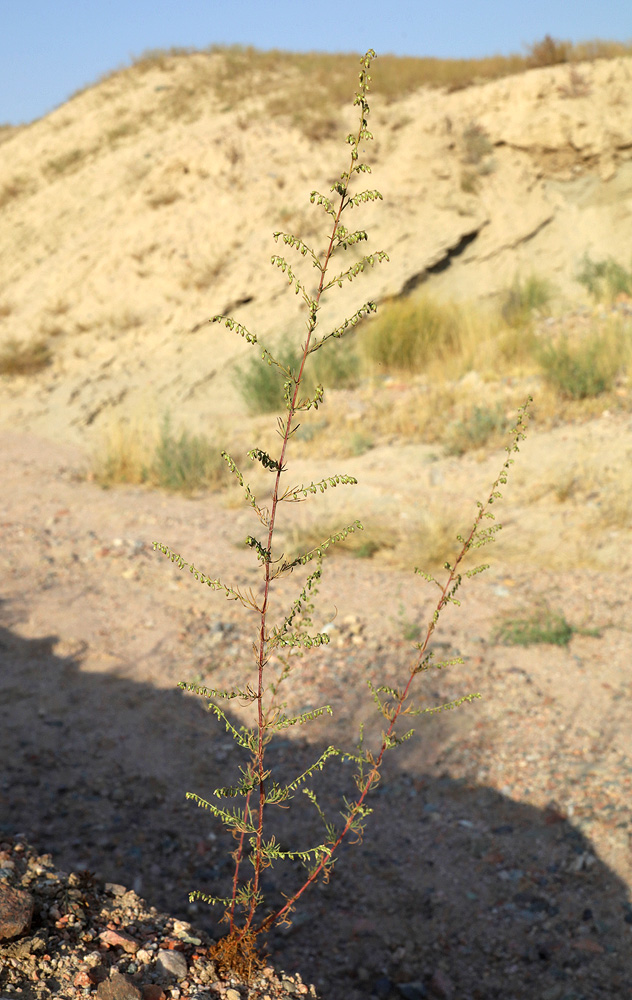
(454,883)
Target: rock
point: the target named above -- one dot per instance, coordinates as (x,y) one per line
(152,991)
(119,939)
(118,987)
(16,912)
(172,962)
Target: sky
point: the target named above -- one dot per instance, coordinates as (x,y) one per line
(51,48)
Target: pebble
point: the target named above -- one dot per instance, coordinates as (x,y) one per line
(173,962)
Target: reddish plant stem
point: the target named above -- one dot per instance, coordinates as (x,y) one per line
(261,656)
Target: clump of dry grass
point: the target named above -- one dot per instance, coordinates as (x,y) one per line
(142,452)
(420,334)
(24,359)
(65,163)
(15,188)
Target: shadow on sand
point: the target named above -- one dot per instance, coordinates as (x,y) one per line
(451,876)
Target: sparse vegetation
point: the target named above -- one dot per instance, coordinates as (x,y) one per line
(525,297)
(476,143)
(540,626)
(604,280)
(587,368)
(140,454)
(66,163)
(230,74)
(15,188)
(481,425)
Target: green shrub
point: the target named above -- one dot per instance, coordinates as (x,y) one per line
(181,463)
(583,370)
(604,279)
(184,463)
(482,424)
(261,386)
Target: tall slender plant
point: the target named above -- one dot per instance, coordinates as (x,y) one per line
(257,790)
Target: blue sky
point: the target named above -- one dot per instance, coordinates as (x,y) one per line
(50,48)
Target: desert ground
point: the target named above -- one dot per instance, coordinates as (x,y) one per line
(497,859)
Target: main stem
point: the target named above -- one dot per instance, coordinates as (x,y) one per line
(262,657)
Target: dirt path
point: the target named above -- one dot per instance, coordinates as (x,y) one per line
(497,860)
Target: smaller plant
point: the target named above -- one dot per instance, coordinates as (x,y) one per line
(482,424)
(548,52)
(15,188)
(477,144)
(577,85)
(411,631)
(66,162)
(604,279)
(582,371)
(524,297)
(185,463)
(262,386)
(469,182)
(541,626)
(24,359)
(182,464)
(409,333)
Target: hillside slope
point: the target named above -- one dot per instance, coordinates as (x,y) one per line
(146,204)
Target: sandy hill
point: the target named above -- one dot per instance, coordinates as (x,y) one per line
(146,203)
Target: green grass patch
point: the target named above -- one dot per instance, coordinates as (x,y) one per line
(541,626)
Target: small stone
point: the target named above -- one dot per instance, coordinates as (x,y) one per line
(173,962)
(83,979)
(118,988)
(119,939)
(152,991)
(16,911)
(114,889)
(232,995)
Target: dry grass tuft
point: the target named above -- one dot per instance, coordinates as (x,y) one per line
(24,359)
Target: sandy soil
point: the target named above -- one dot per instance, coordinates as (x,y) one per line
(98,745)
